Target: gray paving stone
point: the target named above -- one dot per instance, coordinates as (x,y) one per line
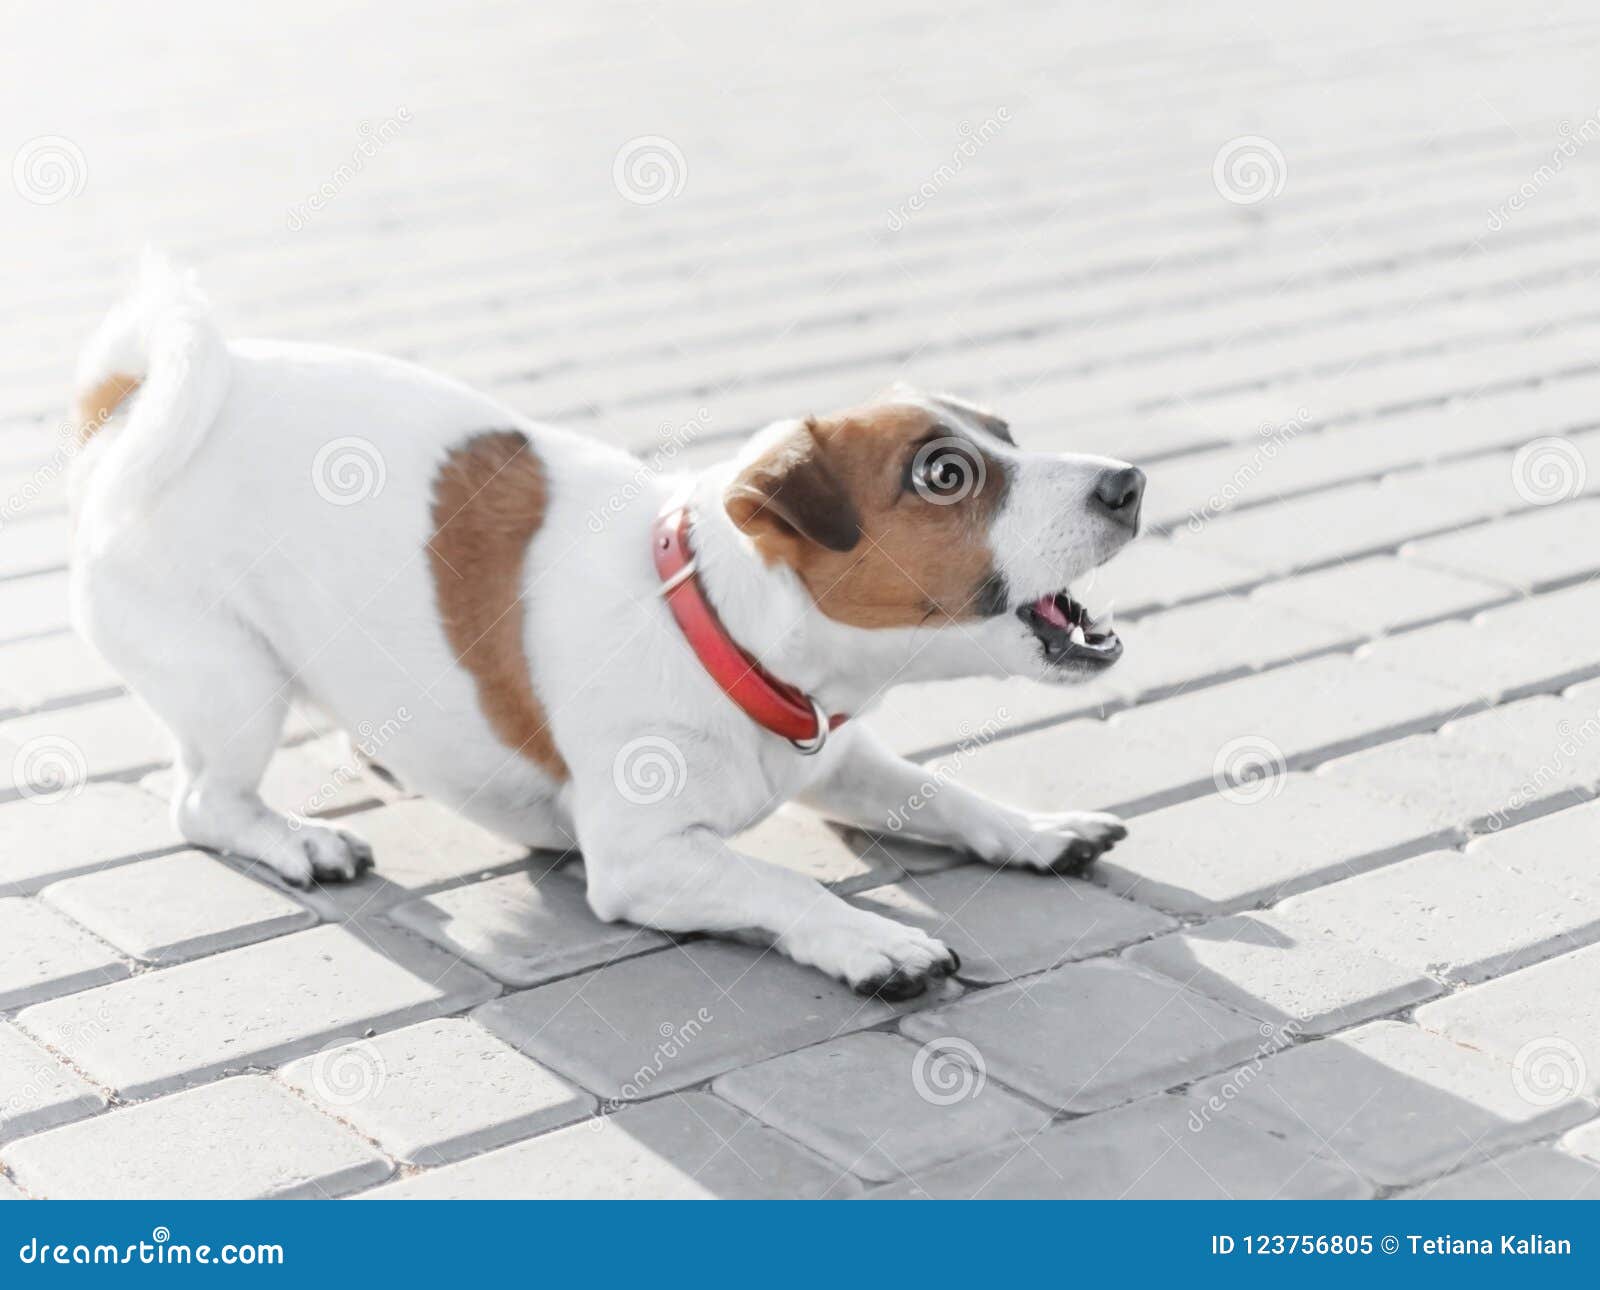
(1541,548)
(1338,524)
(418,846)
(1529,1173)
(41,841)
(1216,854)
(1485,659)
(1079,765)
(1170,751)
(259,1004)
(1557,850)
(949,716)
(1289,716)
(43,955)
(895,855)
(1216,640)
(35,605)
(237,1139)
(1009,923)
(314,779)
(797,839)
(1381,594)
(436,1092)
(1396,1103)
(1584,1141)
(48,670)
(35,544)
(36,1090)
(910,1107)
(524,928)
(1540,1026)
(113,737)
(1553,740)
(688,1147)
(1488,482)
(175,907)
(1307,981)
(1457,916)
(1155,572)
(1147,1151)
(1456,785)
(1092,1035)
(1572,612)
(668,1020)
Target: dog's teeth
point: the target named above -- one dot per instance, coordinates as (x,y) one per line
(1077,636)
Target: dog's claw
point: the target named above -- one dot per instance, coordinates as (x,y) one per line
(907,983)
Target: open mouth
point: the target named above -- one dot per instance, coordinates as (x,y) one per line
(1069,632)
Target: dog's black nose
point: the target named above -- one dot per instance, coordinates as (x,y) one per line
(1120,492)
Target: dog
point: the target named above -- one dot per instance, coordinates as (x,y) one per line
(584,653)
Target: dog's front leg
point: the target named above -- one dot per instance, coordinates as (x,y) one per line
(868,785)
(690,880)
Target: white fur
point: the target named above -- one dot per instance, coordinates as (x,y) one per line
(213,573)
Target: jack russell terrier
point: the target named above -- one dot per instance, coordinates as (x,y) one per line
(581,651)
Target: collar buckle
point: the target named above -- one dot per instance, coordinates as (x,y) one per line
(812,746)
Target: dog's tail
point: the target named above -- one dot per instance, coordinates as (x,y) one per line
(159,347)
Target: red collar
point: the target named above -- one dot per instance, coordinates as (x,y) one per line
(767,701)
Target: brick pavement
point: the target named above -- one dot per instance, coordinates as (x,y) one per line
(1331,285)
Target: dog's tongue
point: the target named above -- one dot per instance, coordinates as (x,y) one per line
(1048,610)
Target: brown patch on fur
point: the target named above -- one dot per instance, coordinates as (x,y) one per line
(488,503)
(832,502)
(97,405)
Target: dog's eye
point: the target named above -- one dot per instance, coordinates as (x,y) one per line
(947,470)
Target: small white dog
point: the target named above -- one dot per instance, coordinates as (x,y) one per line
(580,650)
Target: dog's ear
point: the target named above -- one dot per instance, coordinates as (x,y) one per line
(791,492)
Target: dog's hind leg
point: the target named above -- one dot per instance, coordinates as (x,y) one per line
(222,694)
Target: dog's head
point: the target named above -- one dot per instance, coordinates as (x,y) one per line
(922,511)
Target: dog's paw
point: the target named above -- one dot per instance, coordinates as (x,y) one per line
(320,854)
(1065,842)
(874,956)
